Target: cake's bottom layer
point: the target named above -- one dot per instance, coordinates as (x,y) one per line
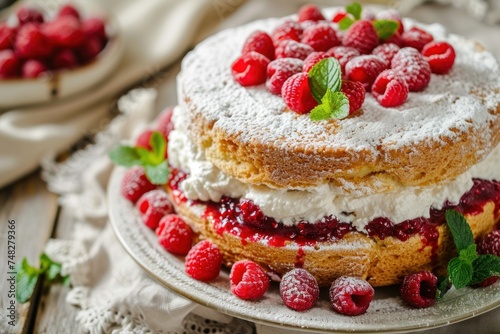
(381,260)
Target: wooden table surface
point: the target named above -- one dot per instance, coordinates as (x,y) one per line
(38,217)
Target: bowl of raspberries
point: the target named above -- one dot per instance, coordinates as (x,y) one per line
(50,53)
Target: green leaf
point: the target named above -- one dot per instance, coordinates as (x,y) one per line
(460,229)
(460,272)
(66,280)
(320,112)
(355,10)
(385,28)
(157,174)
(325,75)
(333,105)
(159,145)
(147,157)
(26,279)
(345,23)
(50,268)
(443,286)
(484,267)
(468,254)
(124,156)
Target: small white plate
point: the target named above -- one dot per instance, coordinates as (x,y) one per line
(63,83)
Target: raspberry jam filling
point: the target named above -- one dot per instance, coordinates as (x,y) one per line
(244,219)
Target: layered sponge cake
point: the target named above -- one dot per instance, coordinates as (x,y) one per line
(361,196)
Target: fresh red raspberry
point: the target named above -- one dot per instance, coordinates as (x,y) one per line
(297,95)
(394,39)
(343,54)
(144,139)
(419,289)
(361,36)
(90,48)
(204,261)
(440,56)
(392,14)
(248,280)
(355,92)
(365,69)
(490,244)
(250,69)
(33,68)
(320,37)
(29,15)
(7,36)
(293,49)
(350,295)
(64,59)
(259,41)
(174,235)
(414,68)
(64,31)
(487,282)
(153,205)
(313,59)
(386,51)
(299,289)
(287,30)
(390,89)
(279,70)
(68,10)
(31,42)
(164,122)
(94,26)
(339,16)
(310,12)
(416,38)
(135,184)
(9,64)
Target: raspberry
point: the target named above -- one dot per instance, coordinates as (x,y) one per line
(350,295)
(440,56)
(297,95)
(174,235)
(339,16)
(313,59)
(64,59)
(68,10)
(31,42)
(135,184)
(365,69)
(386,51)
(343,54)
(33,68)
(392,14)
(414,68)
(279,71)
(394,39)
(310,12)
(260,42)
(248,280)
(287,30)
(355,92)
(64,31)
(90,48)
(29,15)
(144,140)
(204,261)
(164,122)
(320,37)
(419,289)
(416,38)
(94,26)
(7,36)
(293,49)
(250,69)
(153,205)
(361,36)
(490,244)
(299,289)
(9,64)
(390,89)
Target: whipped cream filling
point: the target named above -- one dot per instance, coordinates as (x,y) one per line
(207,182)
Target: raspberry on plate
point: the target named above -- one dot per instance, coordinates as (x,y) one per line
(70,10)
(7,35)
(343,54)
(361,36)
(355,93)
(248,280)
(490,244)
(299,289)
(287,30)
(33,68)
(321,37)
(94,27)
(64,59)
(293,49)
(29,15)
(339,16)
(204,261)
(279,71)
(153,205)
(250,69)
(259,41)
(313,59)
(135,184)
(351,295)
(419,289)
(174,234)
(440,56)
(414,68)
(386,51)
(310,12)
(416,38)
(297,95)
(9,64)
(390,89)
(89,49)
(31,42)
(365,69)
(64,31)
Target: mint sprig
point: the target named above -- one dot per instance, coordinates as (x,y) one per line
(385,28)
(153,160)
(28,275)
(333,105)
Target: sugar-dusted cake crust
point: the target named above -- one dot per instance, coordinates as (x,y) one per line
(249,134)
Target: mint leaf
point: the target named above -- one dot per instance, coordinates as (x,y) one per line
(50,268)
(468,254)
(26,279)
(460,229)
(443,286)
(157,174)
(355,10)
(345,23)
(147,157)
(333,105)
(124,156)
(159,145)
(484,267)
(325,75)
(385,28)
(320,112)
(460,272)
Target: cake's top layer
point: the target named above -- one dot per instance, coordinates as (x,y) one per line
(249,134)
